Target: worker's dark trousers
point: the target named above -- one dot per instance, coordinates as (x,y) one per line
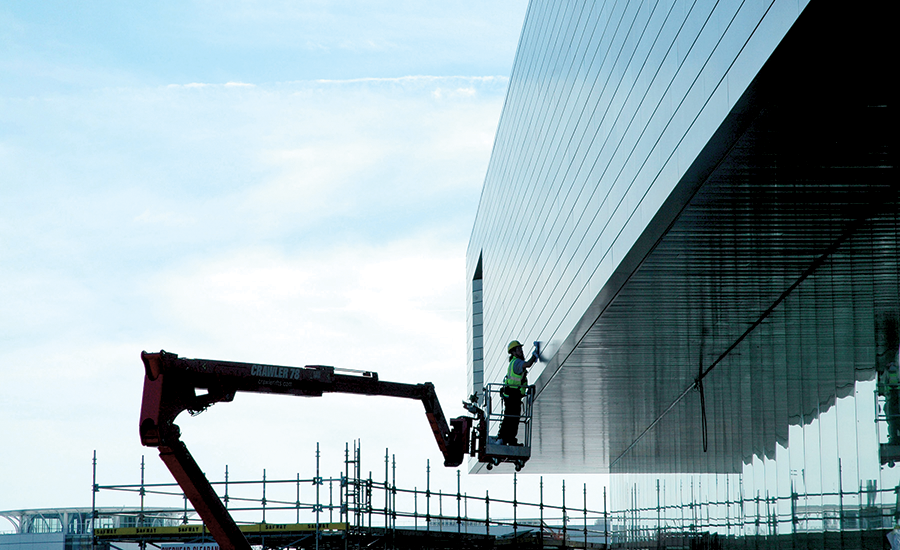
(512,408)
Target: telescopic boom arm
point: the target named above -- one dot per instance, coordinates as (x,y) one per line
(171,386)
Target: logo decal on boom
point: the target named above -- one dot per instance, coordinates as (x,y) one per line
(266,371)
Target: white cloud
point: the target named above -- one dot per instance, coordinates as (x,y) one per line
(254,299)
(296,223)
(441,93)
(211,85)
(427,79)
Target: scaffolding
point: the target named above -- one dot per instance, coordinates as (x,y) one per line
(353,510)
(866,512)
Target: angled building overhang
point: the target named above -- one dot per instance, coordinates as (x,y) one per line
(775,254)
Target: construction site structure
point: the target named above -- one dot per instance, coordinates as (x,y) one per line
(354,510)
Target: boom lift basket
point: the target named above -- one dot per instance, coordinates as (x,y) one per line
(493,451)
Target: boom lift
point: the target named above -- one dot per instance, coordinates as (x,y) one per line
(171,386)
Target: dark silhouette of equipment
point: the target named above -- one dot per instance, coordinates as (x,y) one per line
(171,386)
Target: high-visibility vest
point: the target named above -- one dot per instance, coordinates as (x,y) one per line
(514,380)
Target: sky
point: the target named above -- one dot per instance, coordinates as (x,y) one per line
(286,183)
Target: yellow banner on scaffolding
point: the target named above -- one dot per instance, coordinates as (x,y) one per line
(132,531)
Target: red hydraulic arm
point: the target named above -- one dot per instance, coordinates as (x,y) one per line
(171,386)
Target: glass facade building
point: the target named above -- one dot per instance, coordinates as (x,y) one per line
(693,205)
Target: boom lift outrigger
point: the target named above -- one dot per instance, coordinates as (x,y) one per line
(171,384)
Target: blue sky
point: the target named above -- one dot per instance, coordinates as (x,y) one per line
(277,182)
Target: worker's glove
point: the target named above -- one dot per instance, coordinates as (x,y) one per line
(534,356)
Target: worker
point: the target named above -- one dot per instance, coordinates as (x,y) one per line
(515,386)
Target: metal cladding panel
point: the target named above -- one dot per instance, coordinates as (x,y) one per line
(655,192)
(602,100)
